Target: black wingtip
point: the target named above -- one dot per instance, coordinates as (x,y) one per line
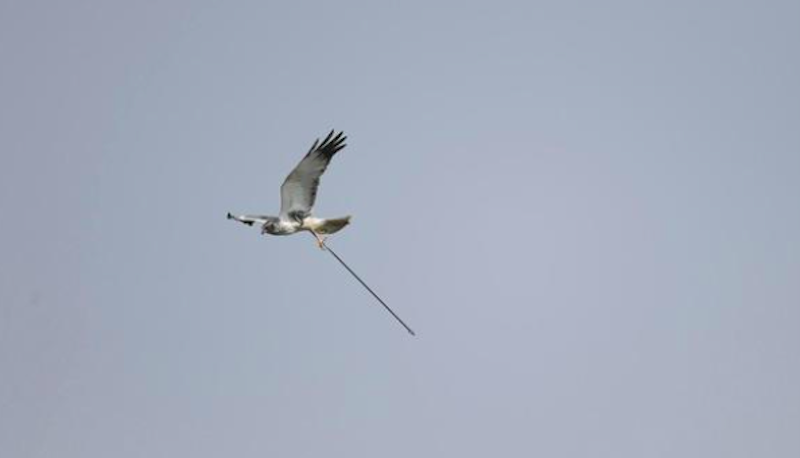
(327,138)
(230,216)
(330,144)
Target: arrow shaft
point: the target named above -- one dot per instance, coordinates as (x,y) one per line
(355,275)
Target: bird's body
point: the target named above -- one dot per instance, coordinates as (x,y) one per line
(286,227)
(298,194)
(274,225)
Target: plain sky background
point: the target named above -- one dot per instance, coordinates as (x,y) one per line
(589,212)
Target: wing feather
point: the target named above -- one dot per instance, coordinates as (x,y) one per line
(299,190)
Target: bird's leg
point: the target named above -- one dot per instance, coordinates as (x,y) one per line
(320,240)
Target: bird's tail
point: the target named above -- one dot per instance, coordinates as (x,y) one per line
(332,225)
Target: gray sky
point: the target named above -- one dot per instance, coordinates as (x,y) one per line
(588,211)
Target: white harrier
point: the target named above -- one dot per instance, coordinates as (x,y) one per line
(298,193)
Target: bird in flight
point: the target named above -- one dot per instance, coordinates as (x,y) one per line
(298,193)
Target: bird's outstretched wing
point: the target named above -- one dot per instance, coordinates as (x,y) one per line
(251,219)
(299,190)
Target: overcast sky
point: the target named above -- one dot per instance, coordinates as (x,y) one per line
(588,211)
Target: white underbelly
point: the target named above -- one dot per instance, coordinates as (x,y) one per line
(288,227)
(312,223)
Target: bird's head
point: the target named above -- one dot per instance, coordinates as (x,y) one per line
(269,226)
